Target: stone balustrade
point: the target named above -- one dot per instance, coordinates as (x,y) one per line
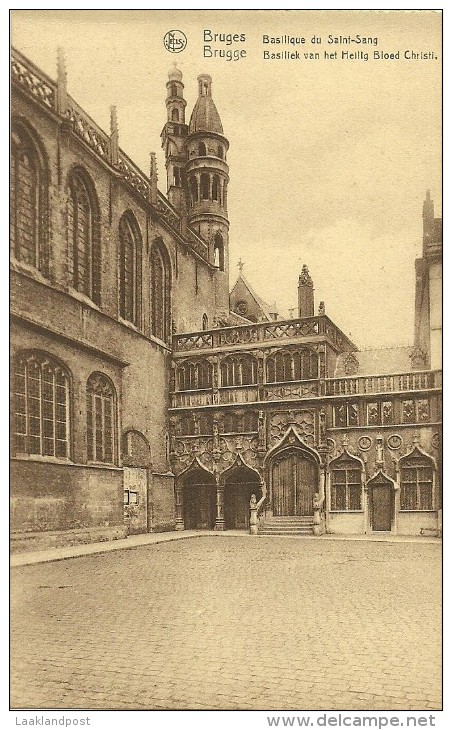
(270,332)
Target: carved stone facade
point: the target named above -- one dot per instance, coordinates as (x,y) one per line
(152,416)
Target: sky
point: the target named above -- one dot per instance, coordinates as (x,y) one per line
(329,159)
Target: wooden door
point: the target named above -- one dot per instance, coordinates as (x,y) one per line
(381,507)
(294,483)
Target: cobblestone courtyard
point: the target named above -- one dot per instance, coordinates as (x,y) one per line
(231,623)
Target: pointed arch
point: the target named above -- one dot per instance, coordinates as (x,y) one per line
(29,197)
(292,439)
(83,232)
(160,292)
(240,482)
(175,114)
(130,253)
(205,321)
(202,150)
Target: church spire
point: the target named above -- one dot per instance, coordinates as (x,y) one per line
(173,137)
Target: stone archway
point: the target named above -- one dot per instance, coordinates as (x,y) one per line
(199,499)
(239,484)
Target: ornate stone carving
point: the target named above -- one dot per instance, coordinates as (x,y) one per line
(364,443)
(302,421)
(305,277)
(351,364)
(394,441)
(418,358)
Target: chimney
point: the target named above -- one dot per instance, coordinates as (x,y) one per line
(305,294)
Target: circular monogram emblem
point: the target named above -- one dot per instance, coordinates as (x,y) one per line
(364,443)
(241,307)
(435,441)
(175,41)
(394,441)
(331,445)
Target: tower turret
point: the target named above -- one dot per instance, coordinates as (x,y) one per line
(173,137)
(305,294)
(207,177)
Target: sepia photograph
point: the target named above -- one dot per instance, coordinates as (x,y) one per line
(226,363)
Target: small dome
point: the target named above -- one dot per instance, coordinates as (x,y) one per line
(174,74)
(205,117)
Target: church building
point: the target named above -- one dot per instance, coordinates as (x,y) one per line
(146,396)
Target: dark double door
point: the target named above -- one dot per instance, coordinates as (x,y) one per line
(294,479)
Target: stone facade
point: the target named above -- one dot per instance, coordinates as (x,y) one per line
(132,409)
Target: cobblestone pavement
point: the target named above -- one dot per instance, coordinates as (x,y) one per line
(231,623)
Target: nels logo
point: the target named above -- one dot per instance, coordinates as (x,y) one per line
(175,41)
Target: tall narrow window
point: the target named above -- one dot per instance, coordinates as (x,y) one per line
(129,269)
(218,251)
(205,322)
(41,406)
(160,293)
(202,149)
(28,200)
(193,190)
(205,184)
(215,187)
(175,115)
(83,238)
(101,419)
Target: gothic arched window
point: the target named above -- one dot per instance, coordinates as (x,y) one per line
(129,269)
(84,262)
(28,200)
(100,419)
(238,370)
(292,365)
(41,405)
(194,375)
(175,115)
(218,251)
(416,482)
(202,149)
(160,293)
(205,322)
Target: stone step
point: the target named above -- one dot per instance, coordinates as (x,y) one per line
(297,533)
(289,520)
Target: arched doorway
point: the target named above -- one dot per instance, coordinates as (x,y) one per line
(381,503)
(199,500)
(239,485)
(294,479)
